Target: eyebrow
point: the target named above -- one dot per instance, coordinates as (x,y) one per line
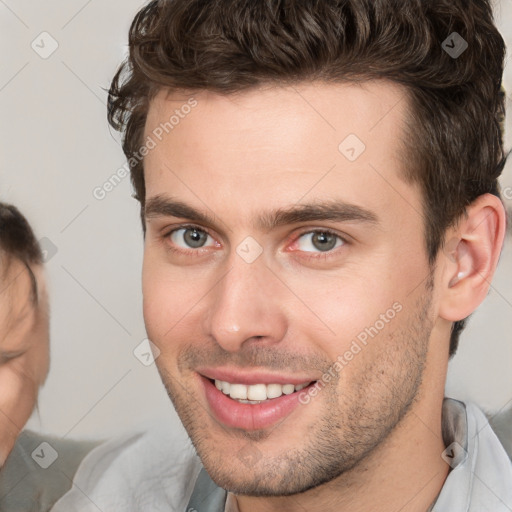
(331,210)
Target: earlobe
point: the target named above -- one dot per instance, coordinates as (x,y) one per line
(471,260)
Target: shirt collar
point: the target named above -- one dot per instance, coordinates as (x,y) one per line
(481,471)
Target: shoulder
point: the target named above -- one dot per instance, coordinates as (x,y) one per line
(501,423)
(495,429)
(39,470)
(481,471)
(153,470)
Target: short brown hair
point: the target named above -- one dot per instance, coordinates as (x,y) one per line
(453,145)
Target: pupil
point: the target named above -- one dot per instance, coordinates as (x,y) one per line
(324,241)
(194,238)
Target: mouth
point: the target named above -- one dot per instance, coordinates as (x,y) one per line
(252,406)
(256,393)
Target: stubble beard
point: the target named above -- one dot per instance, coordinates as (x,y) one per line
(353,426)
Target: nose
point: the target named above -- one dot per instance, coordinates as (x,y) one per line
(245,307)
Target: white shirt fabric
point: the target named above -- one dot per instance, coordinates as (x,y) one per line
(157,470)
(151,471)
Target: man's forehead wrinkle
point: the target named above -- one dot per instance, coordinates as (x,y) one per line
(334,210)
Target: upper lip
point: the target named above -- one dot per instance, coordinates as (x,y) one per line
(239,376)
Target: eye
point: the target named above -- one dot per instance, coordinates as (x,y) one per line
(319,240)
(189,237)
(5,357)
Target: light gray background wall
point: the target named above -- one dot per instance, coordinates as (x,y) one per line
(55,148)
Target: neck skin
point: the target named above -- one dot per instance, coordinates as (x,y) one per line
(404,473)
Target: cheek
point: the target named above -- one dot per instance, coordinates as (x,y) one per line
(158,306)
(335,310)
(168,299)
(363,313)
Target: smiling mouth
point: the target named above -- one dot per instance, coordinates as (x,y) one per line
(256,393)
(251,405)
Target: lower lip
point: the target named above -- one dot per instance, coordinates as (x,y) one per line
(249,416)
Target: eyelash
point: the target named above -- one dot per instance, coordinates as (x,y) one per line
(197,252)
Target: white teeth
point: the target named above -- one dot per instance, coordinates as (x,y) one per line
(274,390)
(256,393)
(238,391)
(288,389)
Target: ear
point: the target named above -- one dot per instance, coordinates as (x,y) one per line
(471,254)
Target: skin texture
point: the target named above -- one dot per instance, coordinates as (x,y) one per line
(375,426)
(24,349)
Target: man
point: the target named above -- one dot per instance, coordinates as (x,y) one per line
(24,361)
(319,196)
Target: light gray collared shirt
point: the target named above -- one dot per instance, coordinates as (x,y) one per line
(159,471)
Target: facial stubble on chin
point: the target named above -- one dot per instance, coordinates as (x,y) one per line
(354,424)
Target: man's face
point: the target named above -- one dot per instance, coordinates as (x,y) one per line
(270,307)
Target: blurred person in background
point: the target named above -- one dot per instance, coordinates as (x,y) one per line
(25,484)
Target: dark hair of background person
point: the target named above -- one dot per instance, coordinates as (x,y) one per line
(18,242)
(453,138)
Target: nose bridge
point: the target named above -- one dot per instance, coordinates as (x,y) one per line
(244,304)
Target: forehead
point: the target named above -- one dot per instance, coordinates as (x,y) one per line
(278,144)
(261,114)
